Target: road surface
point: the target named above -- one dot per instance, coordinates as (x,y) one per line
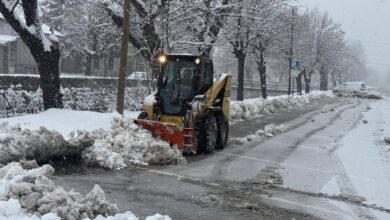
(293,175)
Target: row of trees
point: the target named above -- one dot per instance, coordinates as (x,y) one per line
(257,33)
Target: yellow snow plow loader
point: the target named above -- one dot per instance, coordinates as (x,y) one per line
(189,109)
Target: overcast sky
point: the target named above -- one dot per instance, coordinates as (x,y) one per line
(364,20)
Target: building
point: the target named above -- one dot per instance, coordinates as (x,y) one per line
(103,65)
(15,56)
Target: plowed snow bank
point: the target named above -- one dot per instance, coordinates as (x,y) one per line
(127,143)
(124,144)
(254,108)
(31,194)
(268,131)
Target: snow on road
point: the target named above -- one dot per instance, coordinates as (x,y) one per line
(341,153)
(366,157)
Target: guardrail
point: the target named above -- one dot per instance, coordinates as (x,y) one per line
(279,86)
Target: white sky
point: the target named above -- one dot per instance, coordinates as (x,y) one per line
(364,20)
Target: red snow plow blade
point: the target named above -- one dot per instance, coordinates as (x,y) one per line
(184,138)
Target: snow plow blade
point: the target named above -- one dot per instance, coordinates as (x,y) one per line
(183,138)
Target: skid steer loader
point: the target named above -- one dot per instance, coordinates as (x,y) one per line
(189,109)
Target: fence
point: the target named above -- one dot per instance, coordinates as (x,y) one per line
(20,94)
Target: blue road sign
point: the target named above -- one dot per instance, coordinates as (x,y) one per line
(296,64)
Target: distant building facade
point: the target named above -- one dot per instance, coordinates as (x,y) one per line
(103,65)
(16,58)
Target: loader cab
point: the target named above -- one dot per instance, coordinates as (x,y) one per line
(181,78)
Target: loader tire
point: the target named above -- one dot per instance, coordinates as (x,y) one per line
(143,115)
(222,131)
(208,135)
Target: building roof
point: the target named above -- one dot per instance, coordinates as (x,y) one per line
(4,39)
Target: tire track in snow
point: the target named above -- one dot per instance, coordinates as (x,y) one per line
(220,165)
(355,202)
(344,181)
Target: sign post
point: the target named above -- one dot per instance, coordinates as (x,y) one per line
(295,71)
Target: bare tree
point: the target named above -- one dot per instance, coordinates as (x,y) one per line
(250,23)
(155,20)
(24,19)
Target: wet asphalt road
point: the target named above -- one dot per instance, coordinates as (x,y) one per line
(209,187)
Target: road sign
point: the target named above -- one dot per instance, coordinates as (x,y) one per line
(296,64)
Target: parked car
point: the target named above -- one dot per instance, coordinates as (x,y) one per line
(356,89)
(350,87)
(138,76)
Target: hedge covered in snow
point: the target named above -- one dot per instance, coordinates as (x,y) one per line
(16,101)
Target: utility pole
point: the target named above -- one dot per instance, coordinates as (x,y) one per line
(291,50)
(120,100)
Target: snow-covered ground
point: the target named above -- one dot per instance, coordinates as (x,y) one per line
(366,157)
(106,139)
(67,121)
(338,154)
(64,121)
(103,139)
(28,193)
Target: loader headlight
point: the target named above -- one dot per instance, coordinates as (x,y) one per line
(197,61)
(162,59)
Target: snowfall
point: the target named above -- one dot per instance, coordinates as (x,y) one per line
(107,140)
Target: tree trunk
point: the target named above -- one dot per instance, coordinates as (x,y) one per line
(263,76)
(334,80)
(289,77)
(120,100)
(47,59)
(240,72)
(88,62)
(307,78)
(299,84)
(48,63)
(323,80)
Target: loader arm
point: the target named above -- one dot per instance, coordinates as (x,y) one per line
(222,85)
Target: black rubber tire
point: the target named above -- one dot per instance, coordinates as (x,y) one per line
(208,135)
(143,115)
(222,131)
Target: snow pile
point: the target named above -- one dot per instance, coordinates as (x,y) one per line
(65,121)
(269,131)
(254,108)
(40,144)
(32,191)
(31,194)
(126,144)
